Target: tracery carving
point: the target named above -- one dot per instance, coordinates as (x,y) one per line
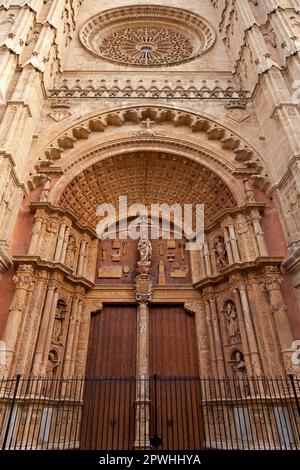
(147,36)
(146,46)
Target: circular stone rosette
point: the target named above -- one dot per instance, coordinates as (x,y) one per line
(147,36)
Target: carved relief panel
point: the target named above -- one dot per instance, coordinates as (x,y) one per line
(117,260)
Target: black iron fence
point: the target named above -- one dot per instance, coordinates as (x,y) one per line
(164,413)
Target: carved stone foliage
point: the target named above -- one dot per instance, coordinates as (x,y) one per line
(147,36)
(130,173)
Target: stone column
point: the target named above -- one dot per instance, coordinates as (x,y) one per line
(38,355)
(228,246)
(60,241)
(81,258)
(83,339)
(144,289)
(86,257)
(279,312)
(217,337)
(214,368)
(207,259)
(198,309)
(142,430)
(202,264)
(23,280)
(70,339)
(253,348)
(234,244)
(65,244)
(28,334)
(76,336)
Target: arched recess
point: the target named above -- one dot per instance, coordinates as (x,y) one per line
(189,156)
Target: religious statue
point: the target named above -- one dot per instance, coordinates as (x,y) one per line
(239,366)
(70,253)
(144,250)
(221,253)
(51,368)
(45,191)
(232,323)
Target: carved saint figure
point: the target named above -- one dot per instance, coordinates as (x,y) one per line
(145,250)
(70,253)
(239,366)
(232,322)
(221,253)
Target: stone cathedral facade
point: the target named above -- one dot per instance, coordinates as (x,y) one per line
(162,102)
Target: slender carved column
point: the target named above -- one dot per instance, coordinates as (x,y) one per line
(207,259)
(211,339)
(279,312)
(202,264)
(65,244)
(83,339)
(198,309)
(70,338)
(38,355)
(28,333)
(23,280)
(76,337)
(228,246)
(144,290)
(217,337)
(60,241)
(253,348)
(81,258)
(234,244)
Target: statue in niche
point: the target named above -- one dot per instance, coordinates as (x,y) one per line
(70,253)
(58,323)
(239,365)
(45,191)
(144,250)
(52,364)
(221,253)
(6,203)
(232,323)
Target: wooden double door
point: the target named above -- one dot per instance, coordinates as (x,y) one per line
(109,414)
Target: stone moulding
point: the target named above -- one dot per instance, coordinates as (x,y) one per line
(159,114)
(147,35)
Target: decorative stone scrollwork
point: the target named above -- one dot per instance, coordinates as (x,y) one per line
(147,36)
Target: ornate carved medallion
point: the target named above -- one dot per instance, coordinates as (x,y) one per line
(147,35)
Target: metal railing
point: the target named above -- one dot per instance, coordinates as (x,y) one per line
(164,413)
